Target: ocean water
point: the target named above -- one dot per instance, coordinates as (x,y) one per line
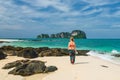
(103,48)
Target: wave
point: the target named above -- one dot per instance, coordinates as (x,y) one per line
(10,40)
(115,52)
(106,56)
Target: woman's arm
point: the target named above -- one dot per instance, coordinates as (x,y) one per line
(68,45)
(75,47)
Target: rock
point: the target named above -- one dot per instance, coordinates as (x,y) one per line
(10,52)
(38,50)
(18,48)
(56,52)
(116,55)
(36,66)
(50,69)
(20,70)
(7,48)
(2,55)
(28,53)
(78,34)
(53,52)
(45,53)
(4,42)
(64,52)
(104,66)
(27,67)
(14,64)
(1,41)
(83,52)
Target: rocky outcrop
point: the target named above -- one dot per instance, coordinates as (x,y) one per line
(54,52)
(2,55)
(82,52)
(74,33)
(27,53)
(4,42)
(27,67)
(78,34)
(61,35)
(38,52)
(116,55)
(43,36)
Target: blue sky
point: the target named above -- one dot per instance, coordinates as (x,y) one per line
(28,18)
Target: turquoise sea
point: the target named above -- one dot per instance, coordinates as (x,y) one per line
(103,48)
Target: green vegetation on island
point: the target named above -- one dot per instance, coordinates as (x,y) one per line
(75,33)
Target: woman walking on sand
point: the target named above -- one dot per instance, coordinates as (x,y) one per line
(72,50)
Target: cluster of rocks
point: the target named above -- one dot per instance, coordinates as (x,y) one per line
(74,33)
(37,52)
(28,67)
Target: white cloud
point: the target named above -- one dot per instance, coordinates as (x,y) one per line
(100,2)
(117,13)
(46,3)
(92,11)
(11,27)
(16,14)
(116,26)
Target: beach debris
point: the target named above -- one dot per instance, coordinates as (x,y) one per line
(2,55)
(104,66)
(28,67)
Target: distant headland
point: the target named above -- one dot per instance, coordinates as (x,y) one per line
(75,33)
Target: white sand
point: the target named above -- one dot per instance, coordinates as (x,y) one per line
(4,72)
(85,68)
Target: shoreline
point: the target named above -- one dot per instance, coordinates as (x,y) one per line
(85,68)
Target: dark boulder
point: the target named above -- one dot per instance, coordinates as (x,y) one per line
(38,50)
(27,67)
(7,48)
(116,55)
(45,53)
(1,41)
(83,52)
(50,69)
(18,48)
(56,52)
(14,64)
(2,55)
(52,52)
(20,70)
(10,52)
(64,52)
(27,53)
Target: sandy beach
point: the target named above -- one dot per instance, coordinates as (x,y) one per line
(85,68)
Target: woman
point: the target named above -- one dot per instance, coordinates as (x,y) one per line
(72,50)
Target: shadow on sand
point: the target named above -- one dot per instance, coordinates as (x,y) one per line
(81,62)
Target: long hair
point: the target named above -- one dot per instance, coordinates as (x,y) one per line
(71,38)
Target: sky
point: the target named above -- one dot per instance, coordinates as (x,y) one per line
(28,18)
